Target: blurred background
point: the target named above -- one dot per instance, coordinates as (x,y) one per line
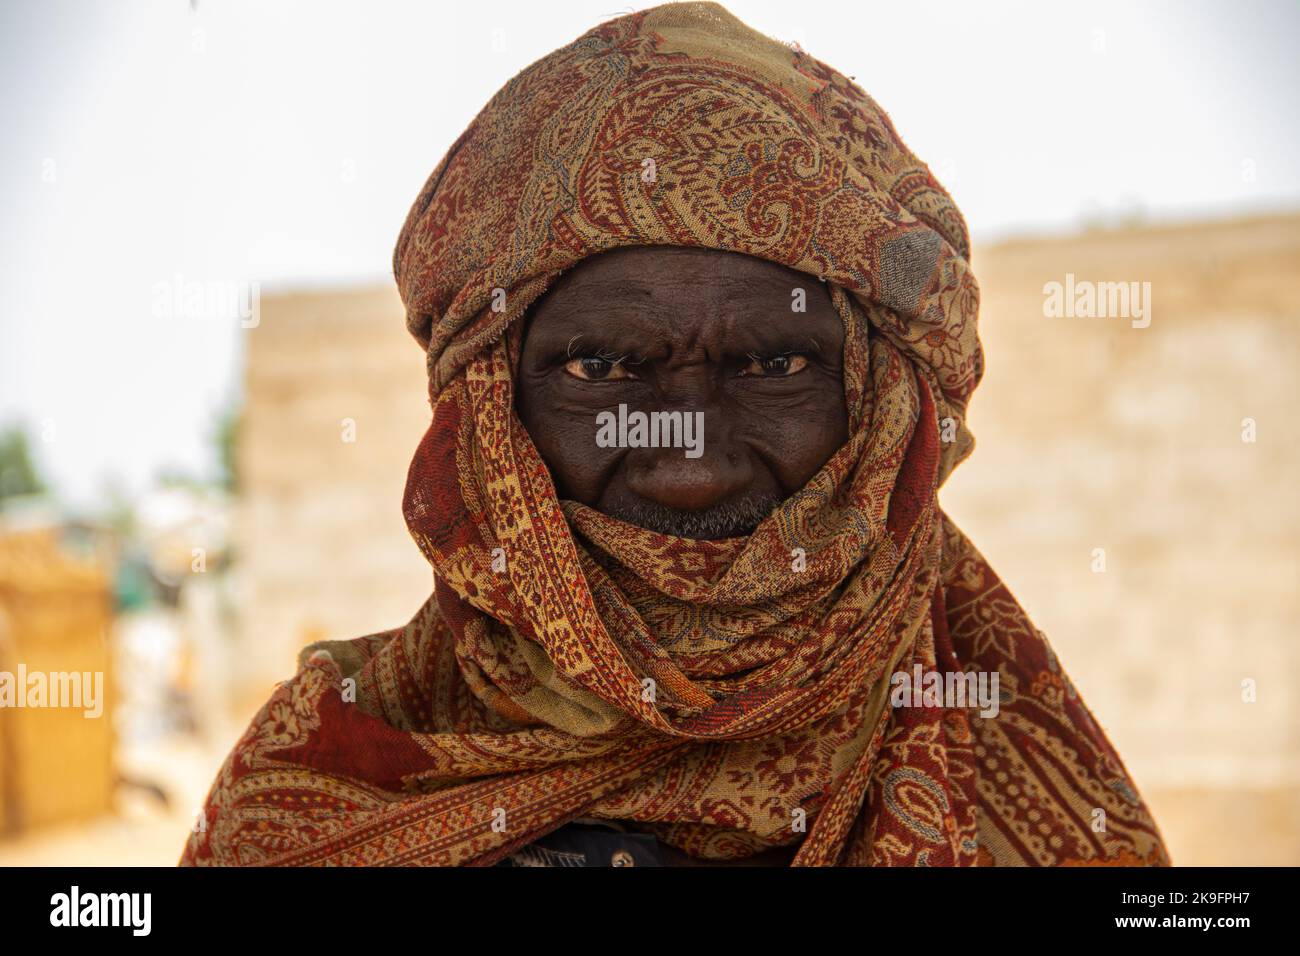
(208,400)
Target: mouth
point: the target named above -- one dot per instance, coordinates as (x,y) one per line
(730,519)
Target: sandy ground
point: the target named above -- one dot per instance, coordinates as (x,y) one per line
(144,831)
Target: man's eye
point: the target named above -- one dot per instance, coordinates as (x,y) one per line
(595,369)
(775,366)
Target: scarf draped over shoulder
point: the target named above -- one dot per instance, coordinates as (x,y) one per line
(726,696)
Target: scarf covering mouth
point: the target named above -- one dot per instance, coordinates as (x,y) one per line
(727,696)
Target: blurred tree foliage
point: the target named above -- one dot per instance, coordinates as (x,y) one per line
(18,474)
(227,441)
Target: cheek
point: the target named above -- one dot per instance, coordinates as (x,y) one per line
(799,435)
(566,440)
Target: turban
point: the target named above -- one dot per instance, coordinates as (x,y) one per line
(726,696)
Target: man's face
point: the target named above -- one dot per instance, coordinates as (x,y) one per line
(661,329)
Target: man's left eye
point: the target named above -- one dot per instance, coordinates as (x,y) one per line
(775,366)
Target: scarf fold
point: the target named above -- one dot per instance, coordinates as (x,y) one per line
(727,696)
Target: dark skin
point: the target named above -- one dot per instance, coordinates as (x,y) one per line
(664,329)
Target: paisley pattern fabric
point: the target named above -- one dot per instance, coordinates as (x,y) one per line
(729,696)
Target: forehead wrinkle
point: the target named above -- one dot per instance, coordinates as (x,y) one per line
(587,320)
(584,285)
(727,284)
(735,298)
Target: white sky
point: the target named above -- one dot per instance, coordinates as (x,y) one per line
(283,143)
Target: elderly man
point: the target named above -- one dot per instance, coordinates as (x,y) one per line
(701,335)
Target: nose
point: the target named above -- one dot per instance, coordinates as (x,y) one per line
(667,477)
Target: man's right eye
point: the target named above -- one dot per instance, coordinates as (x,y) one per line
(592,368)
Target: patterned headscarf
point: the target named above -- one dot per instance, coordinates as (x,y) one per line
(727,696)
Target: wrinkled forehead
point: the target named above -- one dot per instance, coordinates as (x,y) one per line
(683,296)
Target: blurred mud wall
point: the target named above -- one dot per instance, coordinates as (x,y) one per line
(336,403)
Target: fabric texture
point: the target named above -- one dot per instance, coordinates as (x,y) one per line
(711,693)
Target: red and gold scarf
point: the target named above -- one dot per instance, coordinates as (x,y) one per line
(726,696)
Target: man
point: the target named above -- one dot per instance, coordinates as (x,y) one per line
(701,336)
